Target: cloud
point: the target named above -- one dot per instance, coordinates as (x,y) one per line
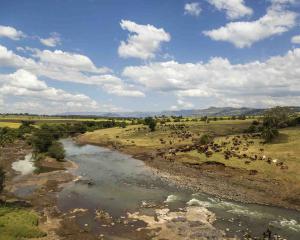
(69,67)
(243,34)
(52,41)
(234,8)
(220,82)
(36,94)
(192,9)
(10,32)
(296,39)
(68,60)
(143,42)
(182,104)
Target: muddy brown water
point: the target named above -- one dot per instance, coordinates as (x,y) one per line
(121,184)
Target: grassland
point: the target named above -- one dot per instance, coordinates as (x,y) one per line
(17,223)
(10,124)
(140,136)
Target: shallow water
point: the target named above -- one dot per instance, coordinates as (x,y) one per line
(121,184)
(24,166)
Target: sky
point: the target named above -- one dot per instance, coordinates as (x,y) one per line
(140,55)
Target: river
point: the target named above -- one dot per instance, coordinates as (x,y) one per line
(121,184)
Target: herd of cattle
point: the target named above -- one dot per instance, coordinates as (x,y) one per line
(181,140)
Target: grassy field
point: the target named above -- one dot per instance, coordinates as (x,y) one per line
(139,135)
(9,124)
(286,149)
(16,224)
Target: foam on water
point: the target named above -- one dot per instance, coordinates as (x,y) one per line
(25,166)
(196,202)
(171,198)
(228,207)
(289,223)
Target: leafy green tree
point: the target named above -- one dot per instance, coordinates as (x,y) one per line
(277,117)
(42,138)
(274,118)
(57,151)
(151,122)
(25,128)
(269,133)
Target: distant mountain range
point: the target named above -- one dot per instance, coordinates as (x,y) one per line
(210,112)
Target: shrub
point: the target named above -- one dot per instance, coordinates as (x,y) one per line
(252,129)
(57,151)
(205,139)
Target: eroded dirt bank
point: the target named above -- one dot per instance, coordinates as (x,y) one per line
(213,178)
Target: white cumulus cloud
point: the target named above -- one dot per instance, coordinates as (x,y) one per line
(220,82)
(51,41)
(69,67)
(296,39)
(36,96)
(234,8)
(276,21)
(143,41)
(193,9)
(10,32)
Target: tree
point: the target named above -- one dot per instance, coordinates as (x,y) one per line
(151,123)
(274,118)
(25,127)
(57,151)
(42,138)
(277,117)
(269,133)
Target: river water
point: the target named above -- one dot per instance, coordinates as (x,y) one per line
(122,184)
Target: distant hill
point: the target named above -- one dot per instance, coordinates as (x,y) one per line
(211,112)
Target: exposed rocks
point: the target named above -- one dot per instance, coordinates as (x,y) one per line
(192,223)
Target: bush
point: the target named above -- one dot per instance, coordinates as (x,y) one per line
(205,139)
(255,122)
(7,135)
(57,151)
(252,129)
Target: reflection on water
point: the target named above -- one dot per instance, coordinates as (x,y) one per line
(120,184)
(25,166)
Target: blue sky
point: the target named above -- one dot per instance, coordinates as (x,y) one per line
(137,55)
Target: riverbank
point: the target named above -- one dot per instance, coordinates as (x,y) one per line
(36,193)
(213,177)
